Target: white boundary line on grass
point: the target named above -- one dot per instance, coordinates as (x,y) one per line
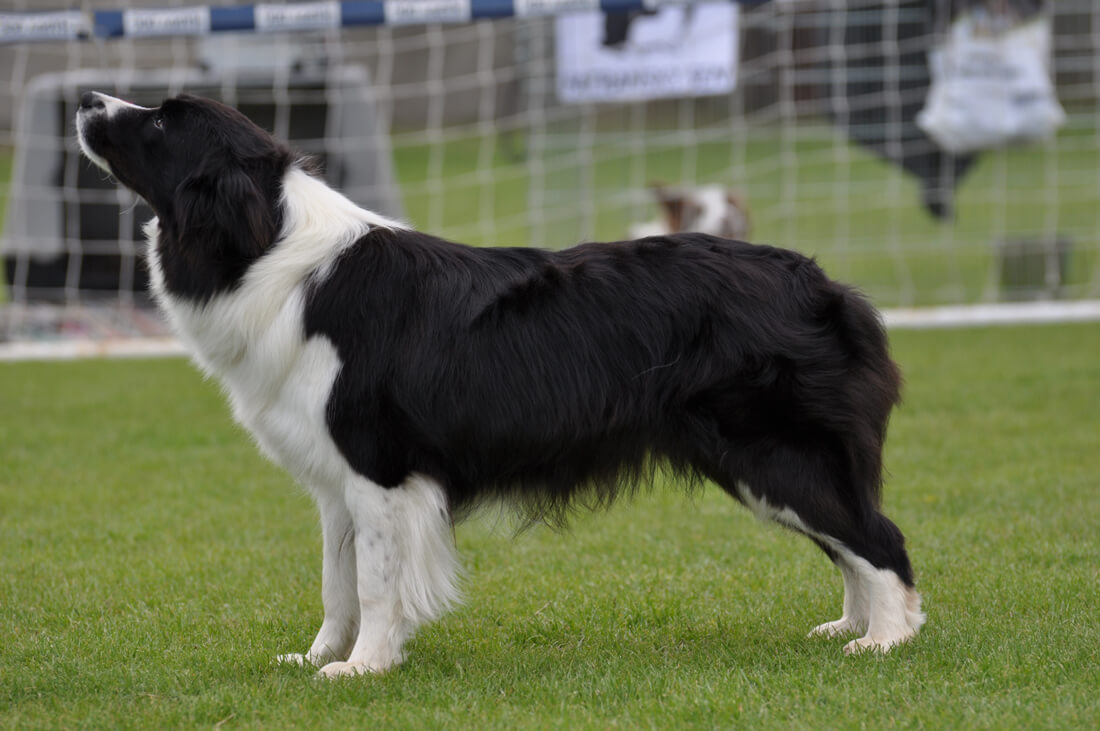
(955,316)
(87,348)
(1004,313)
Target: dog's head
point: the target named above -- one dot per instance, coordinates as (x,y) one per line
(213,177)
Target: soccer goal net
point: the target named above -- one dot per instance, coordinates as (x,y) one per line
(545,123)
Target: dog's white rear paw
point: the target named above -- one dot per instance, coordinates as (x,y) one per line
(343,669)
(842,626)
(294,658)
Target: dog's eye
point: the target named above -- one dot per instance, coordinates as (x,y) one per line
(158,122)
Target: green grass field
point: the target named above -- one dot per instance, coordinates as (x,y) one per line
(152,565)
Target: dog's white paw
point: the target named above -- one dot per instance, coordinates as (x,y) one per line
(344,669)
(295,658)
(872,644)
(842,626)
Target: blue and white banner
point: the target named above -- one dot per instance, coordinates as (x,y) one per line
(304,16)
(676,51)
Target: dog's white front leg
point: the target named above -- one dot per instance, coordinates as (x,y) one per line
(381,627)
(406,568)
(339,592)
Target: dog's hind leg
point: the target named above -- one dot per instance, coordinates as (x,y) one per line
(338,590)
(877,562)
(406,568)
(802,489)
(878,603)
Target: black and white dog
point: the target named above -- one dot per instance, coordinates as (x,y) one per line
(405,380)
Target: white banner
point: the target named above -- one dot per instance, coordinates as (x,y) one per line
(410,12)
(61,25)
(535,8)
(167,22)
(688,50)
(297,16)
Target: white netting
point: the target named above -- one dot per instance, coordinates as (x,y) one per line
(460,129)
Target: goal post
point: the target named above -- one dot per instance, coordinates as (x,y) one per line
(549,122)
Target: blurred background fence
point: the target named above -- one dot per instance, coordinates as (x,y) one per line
(496,131)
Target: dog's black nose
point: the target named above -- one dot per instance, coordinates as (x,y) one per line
(91,100)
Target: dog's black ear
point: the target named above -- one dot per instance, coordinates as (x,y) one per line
(223,206)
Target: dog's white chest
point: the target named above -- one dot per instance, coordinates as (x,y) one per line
(278,383)
(253,342)
(286,416)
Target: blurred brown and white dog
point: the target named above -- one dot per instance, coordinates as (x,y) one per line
(708,209)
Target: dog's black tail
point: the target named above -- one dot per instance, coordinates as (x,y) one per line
(872,386)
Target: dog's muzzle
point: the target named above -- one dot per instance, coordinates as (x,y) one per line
(92,101)
(98,107)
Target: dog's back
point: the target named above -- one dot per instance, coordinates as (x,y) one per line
(545,376)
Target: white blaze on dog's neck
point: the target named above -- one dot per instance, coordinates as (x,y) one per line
(312,209)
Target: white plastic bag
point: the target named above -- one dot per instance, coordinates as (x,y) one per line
(991,84)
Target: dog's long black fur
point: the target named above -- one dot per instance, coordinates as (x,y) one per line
(549,377)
